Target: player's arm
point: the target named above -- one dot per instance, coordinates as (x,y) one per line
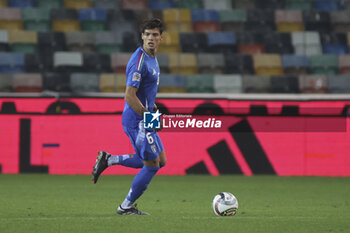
(133,101)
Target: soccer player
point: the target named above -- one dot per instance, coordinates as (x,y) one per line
(142,80)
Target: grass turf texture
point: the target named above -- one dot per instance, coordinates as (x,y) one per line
(44,203)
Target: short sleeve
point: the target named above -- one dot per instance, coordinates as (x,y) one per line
(133,77)
(135,72)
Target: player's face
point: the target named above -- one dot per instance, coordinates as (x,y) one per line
(151,39)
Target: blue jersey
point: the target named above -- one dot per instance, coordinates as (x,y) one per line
(142,72)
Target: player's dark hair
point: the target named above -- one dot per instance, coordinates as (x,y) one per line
(152,24)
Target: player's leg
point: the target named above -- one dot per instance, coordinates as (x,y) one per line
(128,160)
(160,148)
(162,159)
(150,153)
(105,159)
(133,161)
(138,187)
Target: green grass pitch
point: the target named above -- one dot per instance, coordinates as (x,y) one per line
(44,203)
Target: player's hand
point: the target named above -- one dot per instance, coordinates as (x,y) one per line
(155,108)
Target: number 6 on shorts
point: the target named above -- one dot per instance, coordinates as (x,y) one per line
(149,138)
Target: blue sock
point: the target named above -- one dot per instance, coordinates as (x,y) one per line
(134,162)
(125,160)
(141,182)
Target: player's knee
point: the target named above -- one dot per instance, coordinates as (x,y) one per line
(162,161)
(161,164)
(162,158)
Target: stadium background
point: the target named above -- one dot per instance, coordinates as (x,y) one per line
(265,64)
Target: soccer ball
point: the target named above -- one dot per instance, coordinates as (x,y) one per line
(225,204)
